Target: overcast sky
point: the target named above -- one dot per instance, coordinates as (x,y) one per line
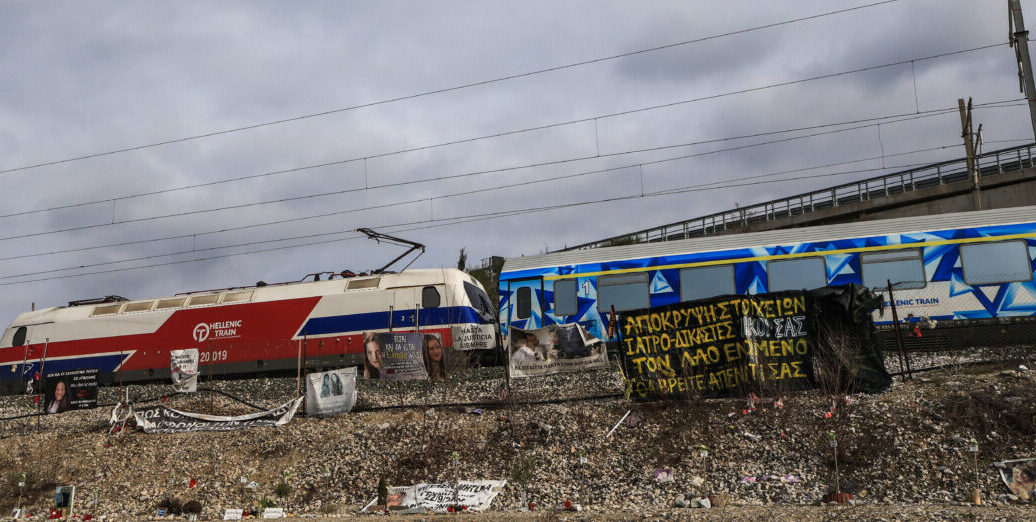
(83,78)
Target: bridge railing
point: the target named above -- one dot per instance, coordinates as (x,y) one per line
(919,178)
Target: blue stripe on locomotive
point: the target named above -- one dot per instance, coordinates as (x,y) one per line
(941,263)
(446,315)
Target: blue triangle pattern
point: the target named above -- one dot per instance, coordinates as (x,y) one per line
(659,284)
(958,286)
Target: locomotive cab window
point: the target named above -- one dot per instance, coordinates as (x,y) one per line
(565,302)
(706,281)
(479,301)
(430,297)
(797,274)
(904,268)
(524,298)
(1000,262)
(623,291)
(19,336)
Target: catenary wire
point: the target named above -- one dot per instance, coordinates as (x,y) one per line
(584,173)
(195,234)
(428,223)
(703,186)
(1005,103)
(473,139)
(440,91)
(911,116)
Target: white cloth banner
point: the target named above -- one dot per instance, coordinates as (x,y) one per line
(183,364)
(159,419)
(473,336)
(331,393)
(476,495)
(554,349)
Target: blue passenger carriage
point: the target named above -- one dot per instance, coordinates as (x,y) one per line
(969,274)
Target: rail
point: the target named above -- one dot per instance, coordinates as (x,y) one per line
(918,178)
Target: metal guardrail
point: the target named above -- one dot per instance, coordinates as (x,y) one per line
(918,178)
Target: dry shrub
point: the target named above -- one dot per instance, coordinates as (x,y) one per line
(36,489)
(986,410)
(172,505)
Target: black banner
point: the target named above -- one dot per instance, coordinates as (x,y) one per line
(70,390)
(765,343)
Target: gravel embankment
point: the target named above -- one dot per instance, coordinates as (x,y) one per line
(903,452)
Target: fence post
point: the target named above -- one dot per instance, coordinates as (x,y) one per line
(899,338)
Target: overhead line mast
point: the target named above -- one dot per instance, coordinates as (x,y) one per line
(1019,39)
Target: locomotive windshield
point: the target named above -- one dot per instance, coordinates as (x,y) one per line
(480,301)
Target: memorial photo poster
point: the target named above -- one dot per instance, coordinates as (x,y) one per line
(554,349)
(404,356)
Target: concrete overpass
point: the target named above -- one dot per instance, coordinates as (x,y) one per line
(1007,178)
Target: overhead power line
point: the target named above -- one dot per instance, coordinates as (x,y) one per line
(997,104)
(483,137)
(886,121)
(243,227)
(433,223)
(698,187)
(441,91)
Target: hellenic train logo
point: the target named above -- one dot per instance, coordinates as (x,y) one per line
(217,330)
(201,332)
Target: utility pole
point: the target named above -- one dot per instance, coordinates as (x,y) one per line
(969,148)
(1019,39)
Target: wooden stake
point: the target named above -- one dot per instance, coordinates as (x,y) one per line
(212,387)
(298,371)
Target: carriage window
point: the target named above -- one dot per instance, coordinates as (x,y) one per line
(565,302)
(1002,262)
(19,336)
(524,297)
(706,281)
(624,292)
(797,274)
(904,268)
(429,297)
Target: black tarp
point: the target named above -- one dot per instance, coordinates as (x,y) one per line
(765,343)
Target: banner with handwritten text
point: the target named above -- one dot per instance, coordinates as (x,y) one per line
(723,346)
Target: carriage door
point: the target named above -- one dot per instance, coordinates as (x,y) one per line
(525,303)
